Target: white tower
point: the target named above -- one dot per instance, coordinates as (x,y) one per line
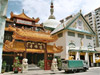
(51,22)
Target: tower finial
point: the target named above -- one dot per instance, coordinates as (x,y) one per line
(23,11)
(80,11)
(51,11)
(51,1)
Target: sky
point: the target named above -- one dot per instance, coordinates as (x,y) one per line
(41,8)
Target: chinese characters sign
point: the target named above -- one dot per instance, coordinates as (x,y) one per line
(36,45)
(24,22)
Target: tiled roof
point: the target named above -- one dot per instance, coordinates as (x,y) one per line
(67,23)
(24,16)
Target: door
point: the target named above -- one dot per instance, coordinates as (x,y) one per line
(90,60)
(82,57)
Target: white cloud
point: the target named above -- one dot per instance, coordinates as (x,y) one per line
(36,8)
(62,8)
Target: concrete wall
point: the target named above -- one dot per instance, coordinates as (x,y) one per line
(65,40)
(3,8)
(62,42)
(76,40)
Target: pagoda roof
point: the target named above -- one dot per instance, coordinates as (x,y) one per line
(16,46)
(9,20)
(23,16)
(29,35)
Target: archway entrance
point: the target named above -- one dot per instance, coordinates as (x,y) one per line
(34,58)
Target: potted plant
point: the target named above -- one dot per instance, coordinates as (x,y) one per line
(41,64)
(4,66)
(16,65)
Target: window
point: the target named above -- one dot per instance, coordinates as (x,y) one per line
(97,23)
(60,34)
(80,35)
(91,24)
(96,13)
(90,21)
(88,37)
(90,14)
(8,37)
(98,26)
(90,18)
(97,19)
(71,34)
(98,30)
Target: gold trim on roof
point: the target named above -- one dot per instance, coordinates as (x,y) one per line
(29,35)
(15,46)
(24,16)
(9,20)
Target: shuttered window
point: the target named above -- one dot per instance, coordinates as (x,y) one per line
(80,35)
(71,34)
(60,34)
(88,37)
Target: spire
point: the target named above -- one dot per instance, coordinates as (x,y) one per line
(23,11)
(80,11)
(51,11)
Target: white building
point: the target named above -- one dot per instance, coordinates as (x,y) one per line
(76,37)
(93,19)
(3,9)
(51,23)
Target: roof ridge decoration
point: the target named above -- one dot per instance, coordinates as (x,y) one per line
(23,16)
(28,35)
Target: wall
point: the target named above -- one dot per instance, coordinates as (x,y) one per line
(65,40)
(61,42)
(76,40)
(3,8)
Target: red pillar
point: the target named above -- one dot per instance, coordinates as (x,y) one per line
(25,52)
(45,57)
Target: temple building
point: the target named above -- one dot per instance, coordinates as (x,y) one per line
(76,37)
(25,38)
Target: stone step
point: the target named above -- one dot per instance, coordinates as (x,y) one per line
(33,67)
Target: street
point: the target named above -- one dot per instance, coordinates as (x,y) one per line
(91,71)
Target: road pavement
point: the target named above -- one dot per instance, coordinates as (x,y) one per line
(91,71)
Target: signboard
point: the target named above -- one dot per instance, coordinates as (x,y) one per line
(36,45)
(24,22)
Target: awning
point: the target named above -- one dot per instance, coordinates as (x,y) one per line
(73,50)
